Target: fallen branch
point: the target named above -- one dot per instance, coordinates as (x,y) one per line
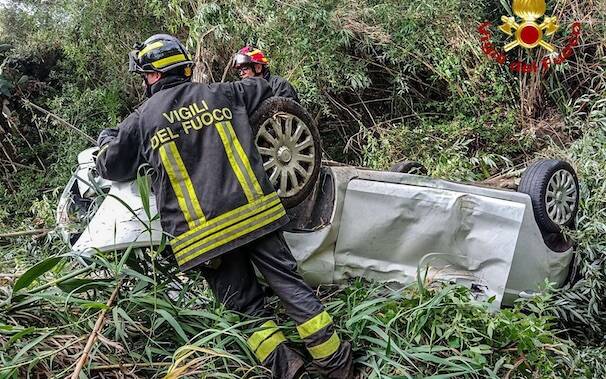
(94,334)
(508,180)
(130,365)
(48,113)
(24,233)
(4,161)
(10,276)
(521,359)
(508,174)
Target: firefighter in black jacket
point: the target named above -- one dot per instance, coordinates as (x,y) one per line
(251,62)
(216,202)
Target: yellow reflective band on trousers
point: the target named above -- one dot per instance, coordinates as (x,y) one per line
(239,161)
(226,219)
(266,340)
(314,324)
(149,48)
(325,349)
(230,233)
(169,60)
(182,184)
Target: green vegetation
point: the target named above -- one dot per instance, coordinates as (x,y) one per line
(387,80)
(416,331)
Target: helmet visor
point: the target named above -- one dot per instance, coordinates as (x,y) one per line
(241,59)
(133,62)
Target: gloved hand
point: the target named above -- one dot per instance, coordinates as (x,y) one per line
(106,136)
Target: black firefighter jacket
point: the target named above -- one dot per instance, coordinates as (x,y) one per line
(210,186)
(281,87)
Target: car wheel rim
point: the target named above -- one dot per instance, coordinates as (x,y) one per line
(561,197)
(287,148)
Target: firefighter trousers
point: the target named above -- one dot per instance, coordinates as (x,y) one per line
(235,284)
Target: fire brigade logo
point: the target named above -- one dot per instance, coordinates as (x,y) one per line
(528,33)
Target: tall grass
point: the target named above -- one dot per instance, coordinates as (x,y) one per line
(166,325)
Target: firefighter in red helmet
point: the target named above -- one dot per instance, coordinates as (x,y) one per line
(251,62)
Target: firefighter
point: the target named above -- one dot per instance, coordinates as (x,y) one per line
(251,62)
(216,203)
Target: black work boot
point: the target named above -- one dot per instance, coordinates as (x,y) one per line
(285,363)
(339,365)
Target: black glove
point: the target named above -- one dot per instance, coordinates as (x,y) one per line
(106,136)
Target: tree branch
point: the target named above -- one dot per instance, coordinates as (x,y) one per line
(24,233)
(95,333)
(70,126)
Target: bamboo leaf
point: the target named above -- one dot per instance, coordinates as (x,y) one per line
(35,272)
(171,320)
(29,346)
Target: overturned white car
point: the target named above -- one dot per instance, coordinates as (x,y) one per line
(353,222)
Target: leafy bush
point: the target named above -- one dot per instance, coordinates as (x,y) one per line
(582,303)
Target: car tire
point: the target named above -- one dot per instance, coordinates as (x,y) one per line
(553,188)
(409,167)
(289,143)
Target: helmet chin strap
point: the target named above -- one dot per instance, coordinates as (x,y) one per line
(148,91)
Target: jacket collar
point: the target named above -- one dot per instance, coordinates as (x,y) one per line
(266,74)
(167,82)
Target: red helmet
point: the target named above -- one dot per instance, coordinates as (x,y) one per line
(249,54)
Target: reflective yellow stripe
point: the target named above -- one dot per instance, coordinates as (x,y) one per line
(231,233)
(229,150)
(257,192)
(325,349)
(264,341)
(148,48)
(314,324)
(267,329)
(269,345)
(176,186)
(220,222)
(188,183)
(169,60)
(231,216)
(179,179)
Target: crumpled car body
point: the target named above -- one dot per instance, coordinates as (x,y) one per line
(379,225)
